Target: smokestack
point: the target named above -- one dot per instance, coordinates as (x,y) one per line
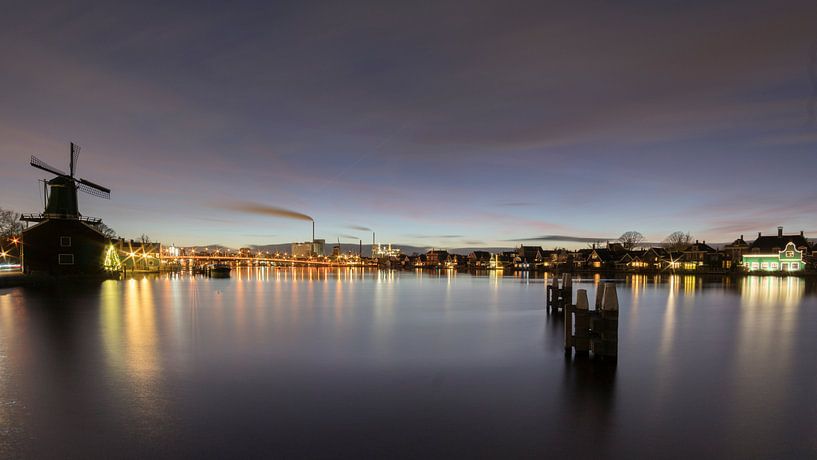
(313,231)
(758,234)
(780,231)
(360,249)
(373,240)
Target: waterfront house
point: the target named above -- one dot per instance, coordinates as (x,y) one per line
(479,259)
(529,257)
(139,255)
(655,258)
(701,256)
(601,258)
(64,246)
(777,252)
(773,243)
(437,258)
(790,259)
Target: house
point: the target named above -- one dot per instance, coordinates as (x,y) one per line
(631,260)
(777,252)
(479,259)
(64,246)
(139,255)
(529,257)
(767,244)
(701,256)
(790,259)
(656,259)
(601,258)
(436,258)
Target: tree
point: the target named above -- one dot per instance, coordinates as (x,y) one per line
(631,239)
(144,238)
(107,231)
(677,241)
(10,224)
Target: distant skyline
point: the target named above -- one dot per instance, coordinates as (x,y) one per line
(446,124)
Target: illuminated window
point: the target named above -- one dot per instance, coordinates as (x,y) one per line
(755,265)
(774,265)
(789,253)
(65,241)
(66,259)
(795,266)
(764,265)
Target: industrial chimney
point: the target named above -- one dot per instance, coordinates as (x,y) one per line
(780,231)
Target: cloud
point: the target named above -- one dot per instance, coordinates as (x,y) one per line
(566,238)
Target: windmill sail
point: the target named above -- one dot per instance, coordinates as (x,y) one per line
(38,163)
(74,157)
(93,189)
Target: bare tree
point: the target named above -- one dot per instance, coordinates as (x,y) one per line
(631,239)
(107,231)
(10,224)
(144,238)
(677,241)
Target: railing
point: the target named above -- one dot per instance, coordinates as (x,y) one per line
(44,216)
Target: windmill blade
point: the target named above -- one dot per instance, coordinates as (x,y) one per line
(74,157)
(94,189)
(40,164)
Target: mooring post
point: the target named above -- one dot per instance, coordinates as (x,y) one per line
(581,338)
(568,309)
(567,289)
(609,317)
(599,295)
(553,293)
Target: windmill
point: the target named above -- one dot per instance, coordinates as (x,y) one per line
(61,191)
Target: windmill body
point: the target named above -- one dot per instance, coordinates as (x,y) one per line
(63,241)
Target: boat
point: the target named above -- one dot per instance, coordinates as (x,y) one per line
(219,271)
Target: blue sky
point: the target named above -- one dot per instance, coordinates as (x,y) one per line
(441,125)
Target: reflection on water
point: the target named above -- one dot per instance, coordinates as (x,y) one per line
(428,363)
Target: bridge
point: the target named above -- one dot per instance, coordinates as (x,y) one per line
(256,260)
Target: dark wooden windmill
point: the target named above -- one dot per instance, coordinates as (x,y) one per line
(61,191)
(63,242)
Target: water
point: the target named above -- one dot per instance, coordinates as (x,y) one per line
(324,363)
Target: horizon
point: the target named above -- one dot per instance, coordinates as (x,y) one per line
(432,125)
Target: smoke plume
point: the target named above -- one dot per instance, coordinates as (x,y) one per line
(266,210)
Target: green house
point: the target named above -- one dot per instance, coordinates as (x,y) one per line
(788,260)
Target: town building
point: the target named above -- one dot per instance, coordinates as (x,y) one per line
(62,241)
(790,259)
(64,246)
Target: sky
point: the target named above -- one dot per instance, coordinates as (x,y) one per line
(436,124)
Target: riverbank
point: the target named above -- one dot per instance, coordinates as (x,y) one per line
(12,279)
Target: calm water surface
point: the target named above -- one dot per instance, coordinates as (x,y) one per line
(324,363)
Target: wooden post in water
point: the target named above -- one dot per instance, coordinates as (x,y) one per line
(605,326)
(581,339)
(552,294)
(568,329)
(567,290)
(599,295)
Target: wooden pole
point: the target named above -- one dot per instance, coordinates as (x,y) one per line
(581,339)
(568,309)
(609,315)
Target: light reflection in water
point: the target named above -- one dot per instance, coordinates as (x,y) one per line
(768,324)
(303,340)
